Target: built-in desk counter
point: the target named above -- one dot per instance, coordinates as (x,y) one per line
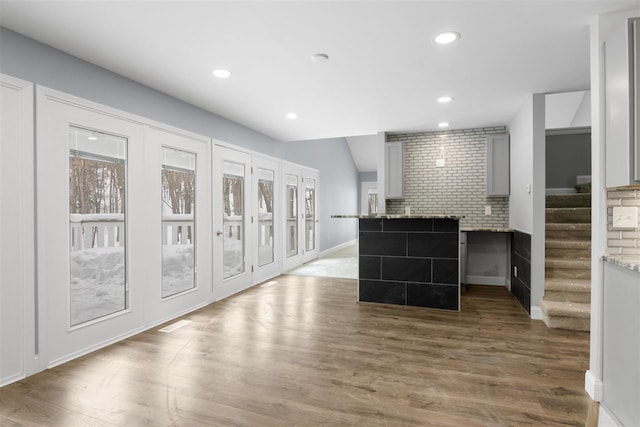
(409,260)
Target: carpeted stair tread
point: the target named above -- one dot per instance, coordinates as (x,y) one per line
(574,226)
(570,263)
(568,200)
(567,244)
(568,215)
(568,285)
(565,309)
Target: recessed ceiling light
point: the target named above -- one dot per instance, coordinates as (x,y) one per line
(447,37)
(221,73)
(319,57)
(443,124)
(93,138)
(292,116)
(444,99)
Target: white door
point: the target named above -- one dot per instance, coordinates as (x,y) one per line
(232,254)
(17,325)
(310,220)
(292,219)
(89,291)
(301,221)
(369,198)
(180,208)
(266,227)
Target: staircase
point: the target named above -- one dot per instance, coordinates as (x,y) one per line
(567,298)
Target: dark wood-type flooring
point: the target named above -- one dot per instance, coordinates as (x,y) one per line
(299,351)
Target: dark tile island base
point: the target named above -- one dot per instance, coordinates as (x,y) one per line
(410,261)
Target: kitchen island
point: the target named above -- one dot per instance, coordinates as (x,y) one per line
(409,260)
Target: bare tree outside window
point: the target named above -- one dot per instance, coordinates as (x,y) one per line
(178,221)
(265,217)
(233,219)
(97,185)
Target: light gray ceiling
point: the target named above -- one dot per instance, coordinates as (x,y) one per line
(384,72)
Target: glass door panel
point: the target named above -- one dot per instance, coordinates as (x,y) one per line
(292,215)
(233,219)
(310,214)
(97,224)
(372,201)
(178,221)
(265,217)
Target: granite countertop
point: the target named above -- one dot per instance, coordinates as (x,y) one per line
(488,229)
(631,262)
(389,216)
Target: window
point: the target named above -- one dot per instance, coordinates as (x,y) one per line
(233,219)
(178,224)
(265,217)
(292,215)
(97,224)
(310,214)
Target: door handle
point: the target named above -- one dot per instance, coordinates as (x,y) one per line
(219,233)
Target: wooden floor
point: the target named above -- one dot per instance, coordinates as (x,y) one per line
(299,351)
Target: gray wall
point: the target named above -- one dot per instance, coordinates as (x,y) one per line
(33,61)
(566,157)
(338,185)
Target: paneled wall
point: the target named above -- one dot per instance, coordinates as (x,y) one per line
(458,187)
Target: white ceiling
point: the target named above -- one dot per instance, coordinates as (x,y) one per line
(384,71)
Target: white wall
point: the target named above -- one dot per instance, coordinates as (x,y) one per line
(521,155)
(568,110)
(527,200)
(17,263)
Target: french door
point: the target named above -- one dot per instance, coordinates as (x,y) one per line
(301,222)
(266,208)
(90,291)
(310,218)
(123,225)
(179,202)
(232,254)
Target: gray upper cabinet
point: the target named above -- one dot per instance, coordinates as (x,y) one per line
(622,77)
(394,170)
(498,165)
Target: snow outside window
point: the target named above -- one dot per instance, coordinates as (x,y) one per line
(178,224)
(97,224)
(265,217)
(233,219)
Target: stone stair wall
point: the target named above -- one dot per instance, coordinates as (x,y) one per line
(567,300)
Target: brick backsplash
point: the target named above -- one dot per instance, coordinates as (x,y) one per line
(458,188)
(622,242)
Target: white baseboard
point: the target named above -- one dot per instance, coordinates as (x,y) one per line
(508,285)
(593,386)
(337,248)
(559,191)
(536,312)
(486,280)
